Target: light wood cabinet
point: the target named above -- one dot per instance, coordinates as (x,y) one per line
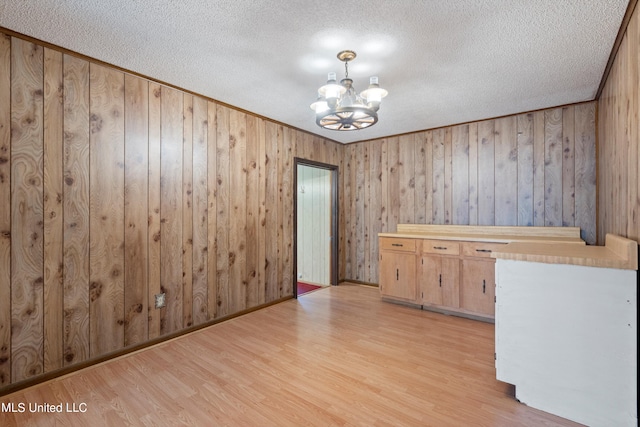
(449,268)
(439,279)
(477,289)
(398,269)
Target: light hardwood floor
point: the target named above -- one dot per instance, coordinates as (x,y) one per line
(335,357)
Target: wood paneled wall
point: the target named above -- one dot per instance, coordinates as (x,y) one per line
(114,189)
(529,169)
(618,140)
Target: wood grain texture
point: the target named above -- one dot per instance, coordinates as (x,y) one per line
(406,178)
(252,195)
(585,158)
(568,166)
(53,210)
(538,167)
(154,202)
(106,202)
(525,168)
(27,218)
(360,201)
(222,209)
(212,244)
(460,174)
(187,211)
(287,214)
(171,209)
(261,220)
(200,212)
(136,181)
(76,210)
(237,210)
(438,180)
(553,168)
(5,214)
(506,171)
(618,156)
(486,173)
(482,173)
(271,211)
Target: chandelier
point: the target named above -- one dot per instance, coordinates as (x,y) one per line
(339,107)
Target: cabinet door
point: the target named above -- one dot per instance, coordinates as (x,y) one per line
(431,280)
(398,275)
(478,286)
(439,281)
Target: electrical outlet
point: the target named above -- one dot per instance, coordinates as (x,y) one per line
(161,300)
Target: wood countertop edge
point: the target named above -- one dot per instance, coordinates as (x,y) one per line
(487,238)
(618,253)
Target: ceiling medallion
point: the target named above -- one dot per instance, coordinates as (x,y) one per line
(339,107)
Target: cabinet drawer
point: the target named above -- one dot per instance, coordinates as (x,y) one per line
(397,244)
(480,249)
(442,247)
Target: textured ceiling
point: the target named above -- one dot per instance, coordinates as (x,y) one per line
(443,62)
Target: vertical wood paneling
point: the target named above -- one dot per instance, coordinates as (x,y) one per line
(5,212)
(76,210)
(222,208)
(460,174)
(473,174)
(429,172)
(618,154)
(200,213)
(438,190)
(212,214)
(506,171)
(420,181)
(366,224)
(448,176)
(287,214)
(486,173)
(359,153)
(585,156)
(252,195)
(238,210)
(27,275)
(261,220)
(187,211)
(106,204)
(53,210)
(525,169)
(374,212)
(553,168)
(136,181)
(171,209)
(272,290)
(406,178)
(154,233)
(568,167)
(538,167)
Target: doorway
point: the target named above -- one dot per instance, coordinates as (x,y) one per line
(315,225)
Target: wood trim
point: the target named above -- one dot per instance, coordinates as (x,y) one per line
(616,45)
(335,220)
(12,388)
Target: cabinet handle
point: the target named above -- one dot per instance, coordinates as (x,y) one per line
(440,248)
(484,286)
(397,244)
(440,280)
(397,274)
(484,250)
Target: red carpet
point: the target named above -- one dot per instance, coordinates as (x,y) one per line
(303,288)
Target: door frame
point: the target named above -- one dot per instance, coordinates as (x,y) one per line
(334,219)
